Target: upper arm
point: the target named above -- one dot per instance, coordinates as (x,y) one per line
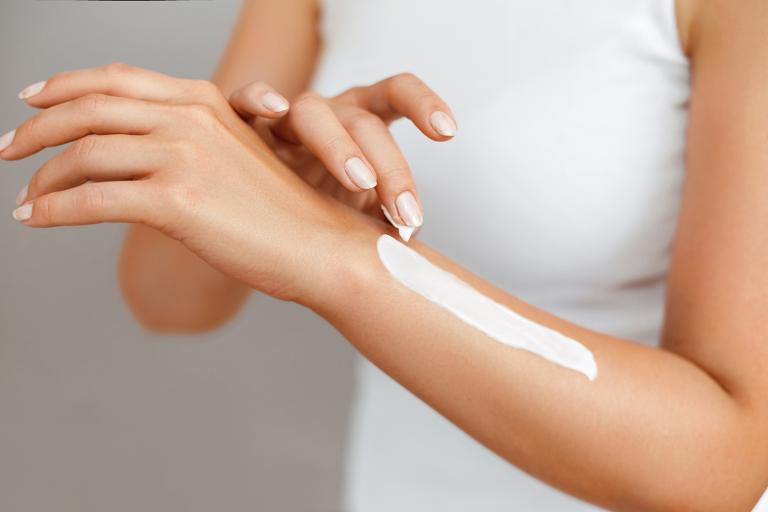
(717,306)
(272,41)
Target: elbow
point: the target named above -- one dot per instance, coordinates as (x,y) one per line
(716,460)
(712,499)
(184,316)
(169,323)
(185,311)
(715,500)
(728,475)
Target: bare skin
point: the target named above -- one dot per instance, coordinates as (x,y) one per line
(681,427)
(316,139)
(202,297)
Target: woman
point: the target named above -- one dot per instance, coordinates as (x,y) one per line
(570,201)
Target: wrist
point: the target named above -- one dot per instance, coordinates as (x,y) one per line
(346,268)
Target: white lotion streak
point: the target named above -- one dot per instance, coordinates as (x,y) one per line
(497,321)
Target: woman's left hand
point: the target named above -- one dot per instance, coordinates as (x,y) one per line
(342,145)
(172,154)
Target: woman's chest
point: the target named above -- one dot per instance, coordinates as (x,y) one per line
(568,164)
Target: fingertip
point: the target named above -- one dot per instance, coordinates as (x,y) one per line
(23,213)
(30,91)
(360,174)
(443,124)
(275,103)
(405,232)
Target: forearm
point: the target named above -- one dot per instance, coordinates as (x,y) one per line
(170,289)
(273,42)
(166,286)
(652,432)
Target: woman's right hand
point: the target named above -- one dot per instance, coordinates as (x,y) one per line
(342,145)
(172,154)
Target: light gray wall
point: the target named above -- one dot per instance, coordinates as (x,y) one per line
(97,415)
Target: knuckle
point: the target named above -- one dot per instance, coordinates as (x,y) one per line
(92,101)
(180,196)
(84,148)
(201,115)
(61,76)
(186,151)
(208,91)
(332,145)
(405,79)
(91,198)
(29,126)
(351,94)
(395,174)
(428,99)
(43,211)
(117,68)
(361,120)
(307,100)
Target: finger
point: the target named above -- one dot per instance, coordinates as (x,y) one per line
(94,113)
(405,95)
(396,187)
(117,79)
(313,123)
(95,158)
(258,99)
(91,203)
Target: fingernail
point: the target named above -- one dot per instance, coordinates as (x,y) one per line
(31,90)
(274,102)
(409,210)
(22,195)
(23,213)
(443,124)
(360,174)
(6,140)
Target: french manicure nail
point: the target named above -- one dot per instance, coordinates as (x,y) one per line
(7,139)
(23,213)
(443,124)
(360,174)
(274,102)
(22,195)
(31,90)
(409,210)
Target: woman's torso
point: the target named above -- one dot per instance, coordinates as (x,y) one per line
(562,186)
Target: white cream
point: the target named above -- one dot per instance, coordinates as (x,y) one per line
(497,321)
(406,232)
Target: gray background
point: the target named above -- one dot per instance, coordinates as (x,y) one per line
(97,415)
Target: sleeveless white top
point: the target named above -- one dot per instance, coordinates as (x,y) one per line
(562,186)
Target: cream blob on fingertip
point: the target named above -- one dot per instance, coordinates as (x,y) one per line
(32,90)
(499,322)
(405,232)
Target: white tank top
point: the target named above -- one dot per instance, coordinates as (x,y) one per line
(562,187)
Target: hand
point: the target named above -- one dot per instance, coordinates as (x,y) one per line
(172,154)
(342,145)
